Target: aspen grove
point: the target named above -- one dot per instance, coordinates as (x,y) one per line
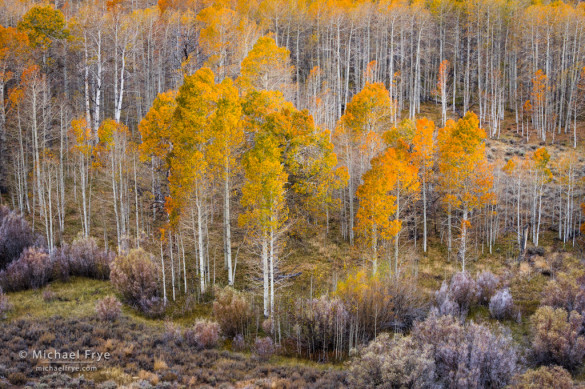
(202,150)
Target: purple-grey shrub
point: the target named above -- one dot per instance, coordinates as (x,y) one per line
(463,289)
(31,270)
(458,296)
(135,278)
(49,295)
(108,308)
(445,303)
(264,348)
(239,343)
(86,259)
(394,362)
(566,291)
(15,236)
(204,334)
(502,304)
(5,305)
(152,307)
(487,283)
(469,355)
(232,311)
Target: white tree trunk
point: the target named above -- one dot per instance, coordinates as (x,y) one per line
(227,226)
(265,274)
(463,248)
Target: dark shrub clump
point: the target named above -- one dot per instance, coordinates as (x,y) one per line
(557,337)
(264,348)
(322,327)
(487,283)
(394,362)
(381,302)
(134,276)
(153,307)
(464,291)
(82,258)
(232,311)
(5,305)
(204,334)
(108,308)
(545,377)
(15,236)
(31,270)
(239,343)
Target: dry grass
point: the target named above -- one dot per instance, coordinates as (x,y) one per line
(160,364)
(115,374)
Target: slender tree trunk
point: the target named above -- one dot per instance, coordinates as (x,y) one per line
(424,193)
(271,261)
(162,266)
(120,94)
(172,263)
(265,275)
(463,248)
(200,248)
(227,226)
(449,233)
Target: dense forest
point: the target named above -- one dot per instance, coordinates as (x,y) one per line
(348,182)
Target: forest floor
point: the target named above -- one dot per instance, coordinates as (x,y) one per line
(143,355)
(141,352)
(68,321)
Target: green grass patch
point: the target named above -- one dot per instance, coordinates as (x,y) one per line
(73,299)
(76,298)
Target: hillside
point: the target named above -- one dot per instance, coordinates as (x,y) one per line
(297,193)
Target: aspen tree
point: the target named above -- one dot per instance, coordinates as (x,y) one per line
(442,89)
(464,175)
(541,175)
(266,67)
(224,152)
(263,198)
(226,38)
(113,152)
(155,130)
(367,116)
(189,165)
(83,150)
(424,154)
(406,186)
(377,205)
(14,50)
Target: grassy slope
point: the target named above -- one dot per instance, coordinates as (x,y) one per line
(76,300)
(73,299)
